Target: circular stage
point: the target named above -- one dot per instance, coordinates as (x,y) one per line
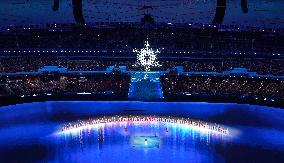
(141,132)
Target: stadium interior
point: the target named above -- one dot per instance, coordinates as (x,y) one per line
(219,63)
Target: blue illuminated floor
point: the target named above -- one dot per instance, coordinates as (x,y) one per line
(149,80)
(174,144)
(153,91)
(30,132)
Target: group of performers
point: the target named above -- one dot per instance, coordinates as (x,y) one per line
(146,119)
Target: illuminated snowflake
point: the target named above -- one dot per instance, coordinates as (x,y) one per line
(147,57)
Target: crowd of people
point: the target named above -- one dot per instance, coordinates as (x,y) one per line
(129,119)
(233,87)
(125,37)
(32,64)
(117,84)
(65,84)
(186,48)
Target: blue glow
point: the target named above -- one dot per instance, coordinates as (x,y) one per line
(32,124)
(152,82)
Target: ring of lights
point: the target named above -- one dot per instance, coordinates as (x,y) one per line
(147,57)
(109,120)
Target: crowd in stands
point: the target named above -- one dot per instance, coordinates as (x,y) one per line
(117,85)
(32,64)
(66,84)
(128,36)
(78,48)
(233,87)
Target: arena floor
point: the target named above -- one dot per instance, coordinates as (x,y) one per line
(32,132)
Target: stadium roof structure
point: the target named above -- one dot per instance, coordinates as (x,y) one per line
(259,13)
